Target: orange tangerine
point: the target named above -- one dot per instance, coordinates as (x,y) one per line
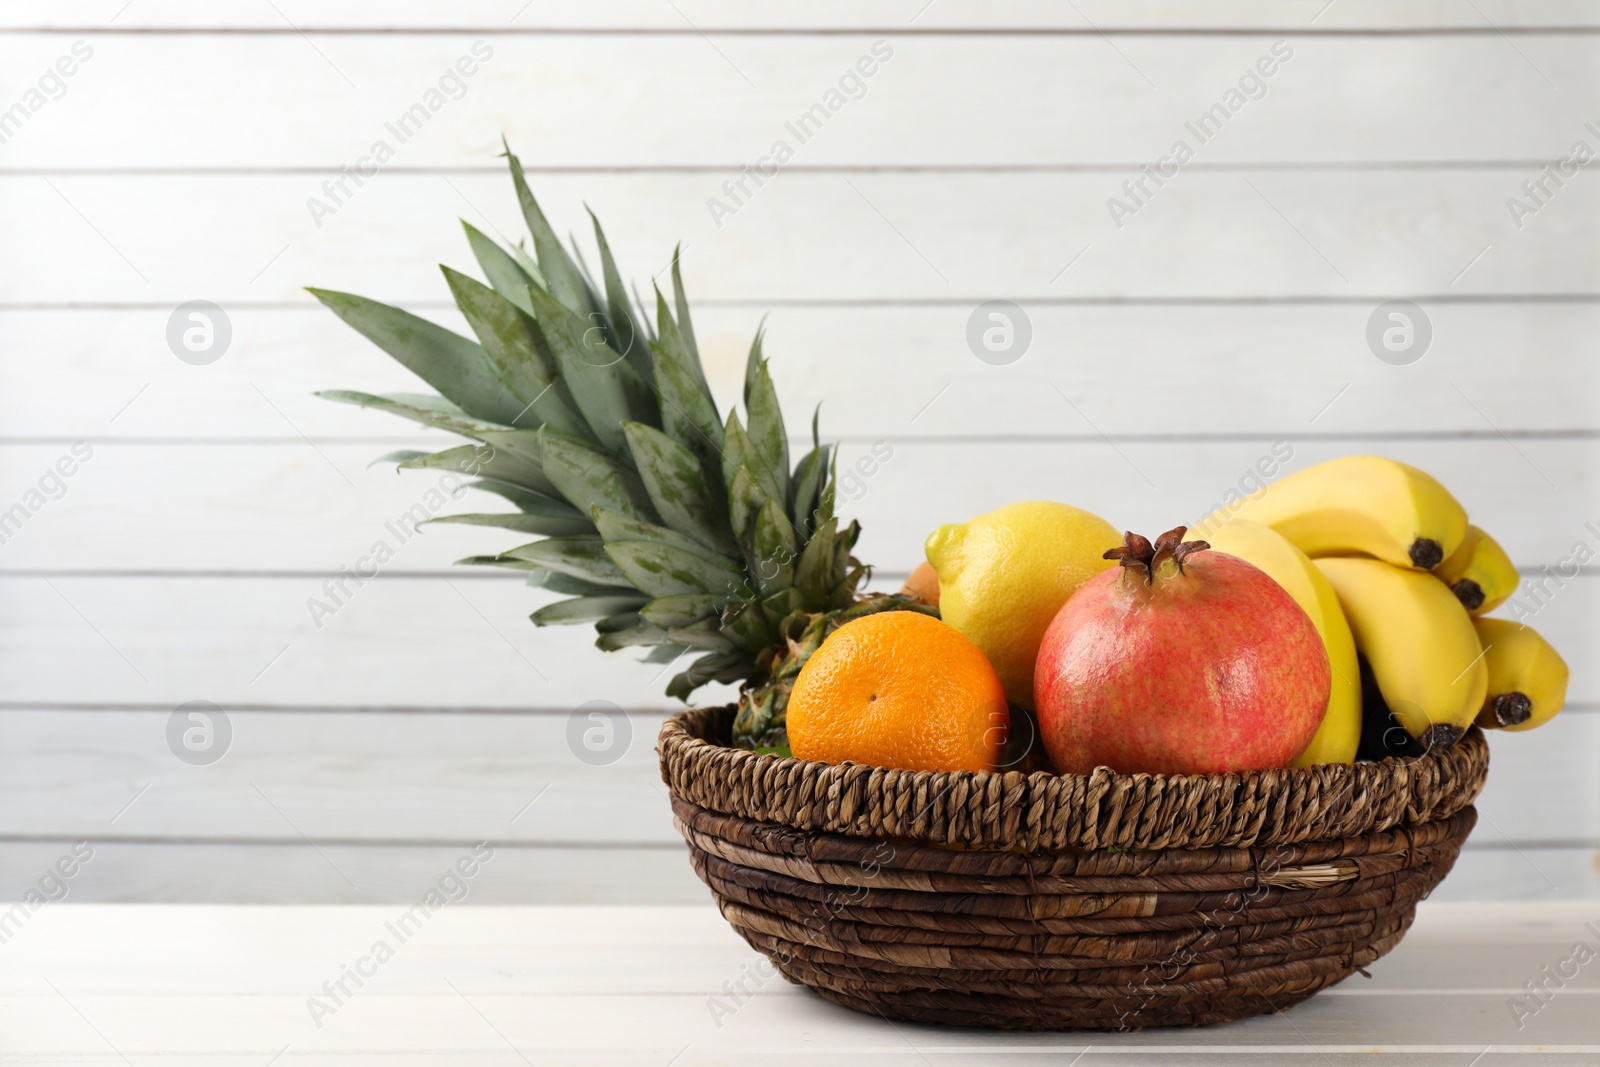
(899,689)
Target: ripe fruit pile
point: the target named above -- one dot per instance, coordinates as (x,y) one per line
(1333,615)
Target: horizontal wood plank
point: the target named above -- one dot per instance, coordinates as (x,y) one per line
(341,778)
(1451,948)
(158,240)
(291,505)
(439,779)
(786,16)
(874,371)
(178,873)
(678,100)
(469,985)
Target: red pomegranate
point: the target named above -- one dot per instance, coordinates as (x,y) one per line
(1183,660)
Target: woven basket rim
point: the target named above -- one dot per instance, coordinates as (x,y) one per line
(1048,812)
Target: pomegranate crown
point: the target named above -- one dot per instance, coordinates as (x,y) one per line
(1136,551)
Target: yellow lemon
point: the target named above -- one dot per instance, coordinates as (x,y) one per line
(1004,575)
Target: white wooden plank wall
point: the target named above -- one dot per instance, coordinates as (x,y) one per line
(1229,312)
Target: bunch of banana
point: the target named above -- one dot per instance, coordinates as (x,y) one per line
(1527,677)
(1359,506)
(1479,572)
(1424,652)
(1383,560)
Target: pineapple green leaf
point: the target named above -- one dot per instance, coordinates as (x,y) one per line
(589,477)
(615,526)
(529,266)
(432,411)
(585,609)
(667,335)
(685,327)
(688,413)
(779,606)
(683,609)
(806,490)
(740,450)
(703,634)
(711,667)
(398,457)
(774,549)
(525,499)
(665,654)
(626,335)
(748,626)
(517,349)
(675,480)
(641,314)
(503,466)
(844,594)
(564,281)
(766,431)
(507,276)
(581,557)
(567,585)
(521,522)
(627,630)
(753,359)
(745,499)
(508,446)
(604,387)
(737,453)
(498,561)
(825,498)
(455,366)
(843,563)
(531,502)
(814,571)
(664,569)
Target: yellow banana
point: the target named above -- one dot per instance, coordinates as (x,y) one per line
(1357,505)
(1339,735)
(1419,641)
(1527,678)
(1479,572)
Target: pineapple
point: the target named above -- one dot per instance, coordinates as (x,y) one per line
(665,526)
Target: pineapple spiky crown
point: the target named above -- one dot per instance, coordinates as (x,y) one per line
(666,526)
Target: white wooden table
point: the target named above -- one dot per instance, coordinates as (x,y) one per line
(232,984)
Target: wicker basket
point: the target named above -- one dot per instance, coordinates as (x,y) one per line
(1059,902)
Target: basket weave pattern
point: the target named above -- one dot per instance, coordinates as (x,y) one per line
(1065,902)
